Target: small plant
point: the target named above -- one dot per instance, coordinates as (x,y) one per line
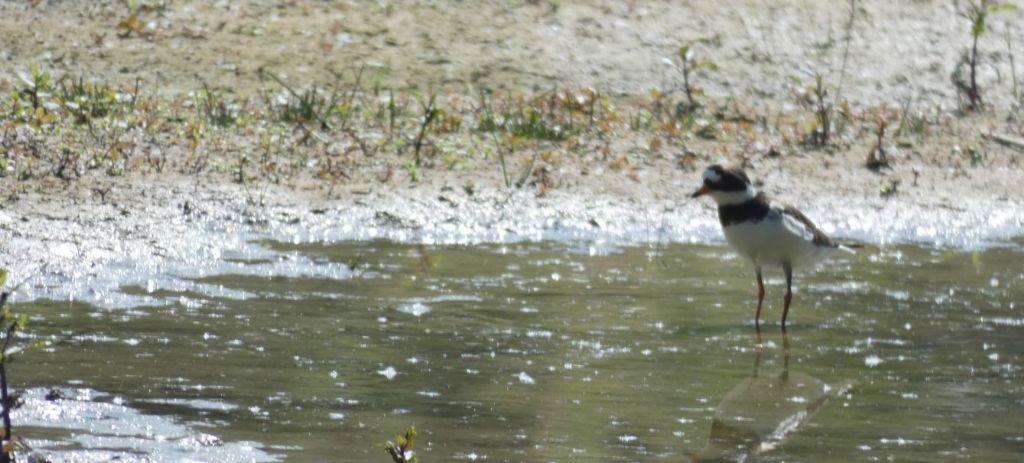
(303,108)
(877,157)
(501,159)
(215,109)
(38,87)
(977,13)
(130,24)
(486,122)
(688,64)
(889,187)
(87,101)
(67,164)
(10,323)
(401,449)
(975,156)
(658,113)
(538,119)
(556,116)
(344,104)
(414,171)
(527,170)
(641,120)
(823,110)
(910,120)
(1018,97)
(430,112)
(394,111)
(816,97)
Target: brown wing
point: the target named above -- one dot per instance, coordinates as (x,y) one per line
(820,238)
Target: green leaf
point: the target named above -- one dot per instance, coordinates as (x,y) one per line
(978,27)
(683,51)
(410,435)
(708,64)
(1005,6)
(3,276)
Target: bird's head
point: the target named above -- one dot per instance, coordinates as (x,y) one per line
(726,185)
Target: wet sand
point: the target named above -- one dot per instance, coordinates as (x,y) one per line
(83,238)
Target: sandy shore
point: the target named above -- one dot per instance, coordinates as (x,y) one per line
(86,241)
(951,185)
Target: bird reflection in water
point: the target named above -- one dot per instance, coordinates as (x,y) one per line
(758,414)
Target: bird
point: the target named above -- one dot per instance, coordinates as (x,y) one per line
(763,232)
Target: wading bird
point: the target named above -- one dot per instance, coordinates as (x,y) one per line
(764,233)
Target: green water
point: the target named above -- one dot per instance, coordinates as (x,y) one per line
(555,352)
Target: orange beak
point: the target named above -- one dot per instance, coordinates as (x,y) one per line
(700,191)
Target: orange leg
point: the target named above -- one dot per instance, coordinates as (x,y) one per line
(760,298)
(789,293)
(785,350)
(759,346)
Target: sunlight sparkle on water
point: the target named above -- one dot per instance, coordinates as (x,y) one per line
(388,372)
(415,309)
(524,378)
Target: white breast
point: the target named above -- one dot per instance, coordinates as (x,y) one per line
(776,239)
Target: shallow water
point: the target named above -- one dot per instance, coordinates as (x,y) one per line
(541,352)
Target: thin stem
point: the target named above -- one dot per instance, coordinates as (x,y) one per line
(1013,66)
(846,50)
(975,92)
(5,398)
(501,159)
(431,113)
(686,82)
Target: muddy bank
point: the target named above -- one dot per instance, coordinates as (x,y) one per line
(90,239)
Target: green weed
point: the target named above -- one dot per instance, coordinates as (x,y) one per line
(311,106)
(87,101)
(10,322)
(214,109)
(815,96)
(401,449)
(976,13)
(688,64)
(430,112)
